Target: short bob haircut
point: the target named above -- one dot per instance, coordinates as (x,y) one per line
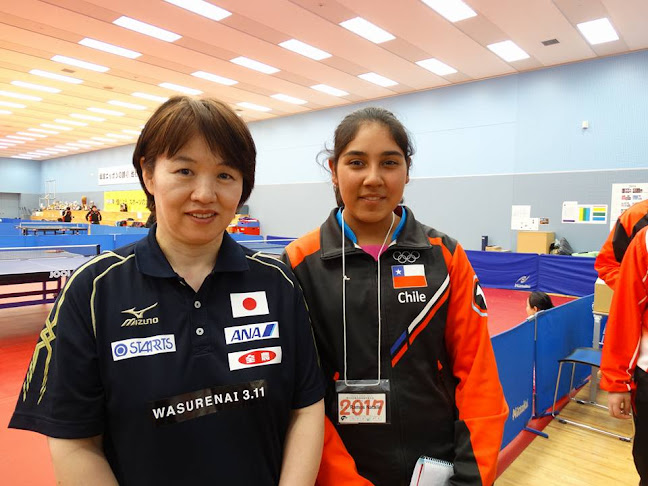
(181,118)
(348,128)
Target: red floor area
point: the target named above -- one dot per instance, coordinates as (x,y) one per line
(24,456)
(507,308)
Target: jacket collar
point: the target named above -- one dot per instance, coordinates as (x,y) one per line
(409,235)
(151,261)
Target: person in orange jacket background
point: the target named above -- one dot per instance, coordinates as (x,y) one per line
(625,354)
(627,226)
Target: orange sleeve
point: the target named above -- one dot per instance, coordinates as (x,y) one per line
(606,263)
(624,327)
(337,467)
(479,396)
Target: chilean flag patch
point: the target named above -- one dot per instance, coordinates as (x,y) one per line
(249,304)
(406,276)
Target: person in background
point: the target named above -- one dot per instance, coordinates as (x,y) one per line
(538,301)
(399,319)
(182,358)
(625,354)
(609,259)
(93,216)
(67,215)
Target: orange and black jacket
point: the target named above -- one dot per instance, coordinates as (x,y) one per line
(627,226)
(446,399)
(626,334)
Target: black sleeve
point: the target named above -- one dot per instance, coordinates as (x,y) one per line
(62,395)
(309,381)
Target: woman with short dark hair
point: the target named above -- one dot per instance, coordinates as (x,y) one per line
(182,358)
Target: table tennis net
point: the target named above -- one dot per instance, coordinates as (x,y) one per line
(64,251)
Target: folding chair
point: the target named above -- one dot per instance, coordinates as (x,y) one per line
(588,357)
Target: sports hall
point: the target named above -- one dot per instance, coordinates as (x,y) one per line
(528,129)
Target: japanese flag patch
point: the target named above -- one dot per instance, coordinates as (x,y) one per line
(249,304)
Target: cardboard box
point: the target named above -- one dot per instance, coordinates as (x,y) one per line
(602,297)
(494,248)
(534,241)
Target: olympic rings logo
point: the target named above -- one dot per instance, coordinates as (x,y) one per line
(406,256)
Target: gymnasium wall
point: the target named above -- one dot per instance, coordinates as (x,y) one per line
(464,207)
(19,175)
(480,147)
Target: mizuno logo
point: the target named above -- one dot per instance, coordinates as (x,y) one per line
(139,320)
(139,314)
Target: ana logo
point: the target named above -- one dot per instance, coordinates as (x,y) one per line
(249,304)
(139,320)
(254,357)
(251,332)
(133,348)
(521,283)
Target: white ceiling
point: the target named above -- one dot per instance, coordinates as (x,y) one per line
(33,31)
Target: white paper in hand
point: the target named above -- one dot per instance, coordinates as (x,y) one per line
(431,472)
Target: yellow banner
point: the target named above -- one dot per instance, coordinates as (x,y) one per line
(135,200)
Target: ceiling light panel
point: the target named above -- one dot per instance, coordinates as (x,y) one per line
(5,112)
(437,67)
(117,135)
(289,99)
(12,105)
(598,31)
(255,65)
(366,29)
(57,77)
(378,79)
(55,127)
(37,135)
(105,112)
(452,10)
(252,106)
(305,49)
(508,50)
(214,78)
(87,117)
(112,49)
(324,88)
(124,104)
(78,63)
(52,132)
(20,96)
(37,87)
(180,89)
(147,29)
(71,122)
(151,97)
(18,137)
(203,8)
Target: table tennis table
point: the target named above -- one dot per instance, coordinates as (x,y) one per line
(272,246)
(44,265)
(53,229)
